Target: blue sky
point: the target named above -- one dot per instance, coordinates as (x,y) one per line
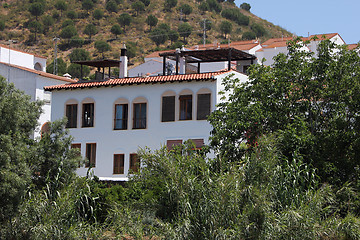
(314,17)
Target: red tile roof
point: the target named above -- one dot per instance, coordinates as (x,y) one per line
(41,73)
(138,80)
(352,46)
(4,46)
(240,45)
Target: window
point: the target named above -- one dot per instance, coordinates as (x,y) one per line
(168,109)
(88,115)
(199,143)
(185,107)
(203,106)
(139,116)
(121,117)
(118,164)
(91,154)
(71,114)
(77,146)
(134,162)
(246,68)
(170,144)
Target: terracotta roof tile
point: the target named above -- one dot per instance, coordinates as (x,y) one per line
(41,73)
(137,80)
(352,46)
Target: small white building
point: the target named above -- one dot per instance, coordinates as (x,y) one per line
(111,119)
(27,72)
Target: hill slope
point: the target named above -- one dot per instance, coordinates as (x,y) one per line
(35,23)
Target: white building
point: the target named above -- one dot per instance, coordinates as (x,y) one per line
(26,71)
(111,119)
(274,46)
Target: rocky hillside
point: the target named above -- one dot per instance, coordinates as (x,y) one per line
(101,26)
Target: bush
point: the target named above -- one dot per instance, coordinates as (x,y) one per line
(71,14)
(2,25)
(235,15)
(248,35)
(111,6)
(245,6)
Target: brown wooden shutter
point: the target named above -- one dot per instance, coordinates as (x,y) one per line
(71,114)
(198,142)
(134,162)
(170,144)
(91,154)
(203,106)
(118,164)
(168,109)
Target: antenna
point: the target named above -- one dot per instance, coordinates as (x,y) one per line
(55,56)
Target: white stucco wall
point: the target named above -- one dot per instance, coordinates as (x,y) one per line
(33,85)
(110,142)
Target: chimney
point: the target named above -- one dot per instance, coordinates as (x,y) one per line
(123,72)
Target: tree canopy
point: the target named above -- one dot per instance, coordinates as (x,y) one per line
(311,101)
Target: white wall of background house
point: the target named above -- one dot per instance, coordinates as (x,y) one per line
(21,58)
(157,133)
(32,83)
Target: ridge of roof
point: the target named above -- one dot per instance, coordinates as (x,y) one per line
(138,80)
(22,51)
(41,73)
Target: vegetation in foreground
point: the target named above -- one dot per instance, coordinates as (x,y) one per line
(286,166)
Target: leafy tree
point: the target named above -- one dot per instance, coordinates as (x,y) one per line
(204,6)
(67,22)
(116,30)
(245,6)
(76,41)
(146,2)
(2,25)
(56,15)
(75,70)
(87,5)
(173,36)
(185,9)
(164,26)
(61,67)
(170,4)
(214,5)
(138,6)
(152,21)
(111,6)
(18,121)
(48,21)
(309,101)
(35,27)
(102,47)
(184,30)
(124,20)
(61,6)
(131,50)
(248,35)
(68,32)
(258,29)
(235,15)
(79,54)
(72,14)
(98,14)
(37,9)
(90,30)
(56,162)
(225,28)
(158,36)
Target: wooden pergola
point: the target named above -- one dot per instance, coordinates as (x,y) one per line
(99,64)
(205,56)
